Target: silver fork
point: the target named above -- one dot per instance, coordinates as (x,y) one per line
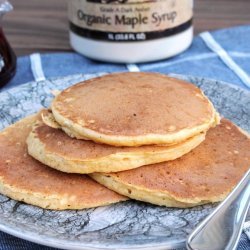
(222,228)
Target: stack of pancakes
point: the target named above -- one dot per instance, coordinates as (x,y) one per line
(143,136)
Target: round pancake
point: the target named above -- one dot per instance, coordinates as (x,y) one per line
(133,109)
(206,174)
(56,149)
(24,179)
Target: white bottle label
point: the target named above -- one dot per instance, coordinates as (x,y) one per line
(129,20)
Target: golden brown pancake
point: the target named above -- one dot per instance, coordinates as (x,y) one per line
(24,179)
(206,174)
(133,109)
(56,149)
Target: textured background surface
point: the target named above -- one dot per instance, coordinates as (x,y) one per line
(122,225)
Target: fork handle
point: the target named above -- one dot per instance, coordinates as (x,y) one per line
(222,228)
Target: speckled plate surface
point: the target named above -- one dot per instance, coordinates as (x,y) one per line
(128,225)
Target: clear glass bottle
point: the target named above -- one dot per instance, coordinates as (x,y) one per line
(7,55)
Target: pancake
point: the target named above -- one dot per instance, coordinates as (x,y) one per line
(48,118)
(24,179)
(206,174)
(133,109)
(56,149)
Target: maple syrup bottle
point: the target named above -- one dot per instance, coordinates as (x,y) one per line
(7,55)
(130,31)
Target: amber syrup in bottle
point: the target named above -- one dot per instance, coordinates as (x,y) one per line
(8,58)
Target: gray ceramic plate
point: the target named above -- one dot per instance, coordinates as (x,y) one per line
(128,225)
